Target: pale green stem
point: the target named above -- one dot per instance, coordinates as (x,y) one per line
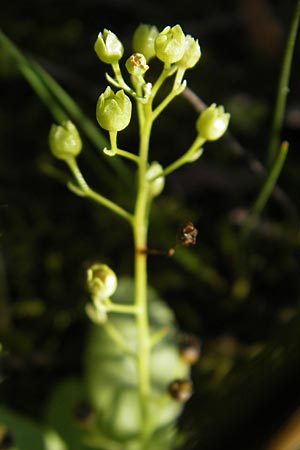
(178,78)
(140,231)
(168,100)
(88,192)
(120,79)
(184,159)
(114,150)
(283,87)
(265,191)
(113,140)
(128,155)
(124,309)
(166,72)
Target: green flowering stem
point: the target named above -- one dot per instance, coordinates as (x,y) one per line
(265,192)
(86,191)
(140,232)
(193,153)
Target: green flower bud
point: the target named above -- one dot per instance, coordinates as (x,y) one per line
(143,40)
(108,47)
(101,281)
(191,54)
(64,141)
(157,185)
(113,111)
(212,123)
(136,64)
(170,44)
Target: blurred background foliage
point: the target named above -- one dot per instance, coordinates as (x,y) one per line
(242,300)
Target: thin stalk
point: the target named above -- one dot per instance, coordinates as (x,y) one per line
(168,99)
(265,191)
(88,192)
(185,158)
(283,88)
(120,308)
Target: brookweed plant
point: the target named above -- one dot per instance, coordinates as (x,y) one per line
(137,363)
(137,366)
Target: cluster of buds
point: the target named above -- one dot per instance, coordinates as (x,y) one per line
(174,49)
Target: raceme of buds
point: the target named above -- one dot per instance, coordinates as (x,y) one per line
(64,141)
(212,123)
(157,185)
(143,40)
(101,281)
(170,45)
(113,111)
(108,47)
(136,64)
(191,54)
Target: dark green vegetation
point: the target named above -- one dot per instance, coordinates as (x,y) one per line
(241,296)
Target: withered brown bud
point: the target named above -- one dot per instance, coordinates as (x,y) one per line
(181,390)
(187,235)
(190,348)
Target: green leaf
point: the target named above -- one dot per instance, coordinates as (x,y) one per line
(26,434)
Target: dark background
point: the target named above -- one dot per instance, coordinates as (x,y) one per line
(244,308)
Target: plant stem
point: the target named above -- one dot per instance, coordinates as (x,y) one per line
(185,158)
(140,232)
(283,87)
(265,191)
(88,192)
